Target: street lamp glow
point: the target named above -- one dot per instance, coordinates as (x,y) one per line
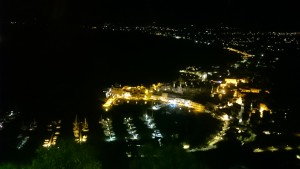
(225,117)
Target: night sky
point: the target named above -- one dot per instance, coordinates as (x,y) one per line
(266,14)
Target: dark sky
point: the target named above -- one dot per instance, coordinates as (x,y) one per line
(279,13)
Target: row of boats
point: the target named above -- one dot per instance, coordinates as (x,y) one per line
(54,131)
(25,130)
(130,128)
(149,121)
(108,129)
(80,130)
(24,136)
(7,117)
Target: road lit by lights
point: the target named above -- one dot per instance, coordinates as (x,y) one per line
(211,144)
(258,150)
(246,55)
(225,117)
(275,149)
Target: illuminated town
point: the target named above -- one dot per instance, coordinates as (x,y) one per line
(233,108)
(226,106)
(227,37)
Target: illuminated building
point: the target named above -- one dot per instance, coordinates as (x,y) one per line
(251,90)
(235,81)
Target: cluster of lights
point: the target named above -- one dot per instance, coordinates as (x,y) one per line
(53,128)
(23,142)
(157,93)
(108,130)
(197,107)
(211,144)
(8,117)
(275,148)
(226,37)
(131,129)
(80,130)
(24,136)
(149,121)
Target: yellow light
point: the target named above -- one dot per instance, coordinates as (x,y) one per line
(288,148)
(186,146)
(127,95)
(225,117)
(272,148)
(262,108)
(297,134)
(239,101)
